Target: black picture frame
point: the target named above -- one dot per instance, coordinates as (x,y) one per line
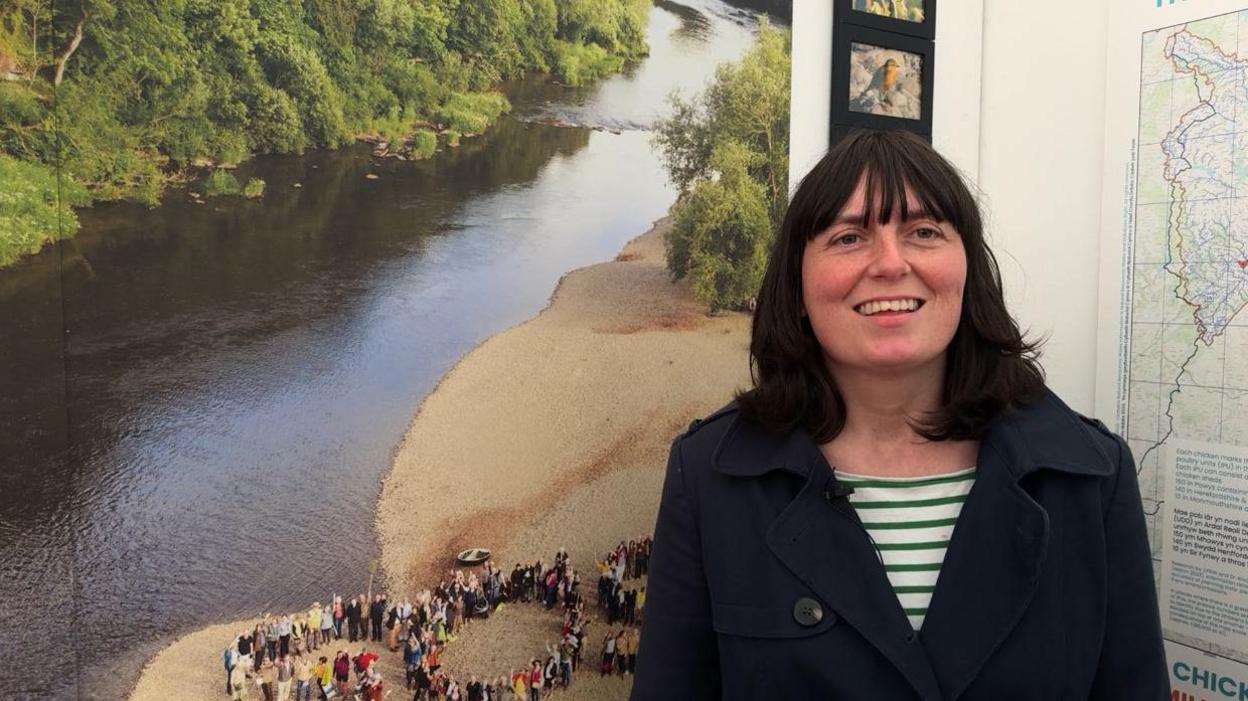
(842,118)
(845,11)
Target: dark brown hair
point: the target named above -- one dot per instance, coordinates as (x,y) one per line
(989,366)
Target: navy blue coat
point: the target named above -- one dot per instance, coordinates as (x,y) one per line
(1046,591)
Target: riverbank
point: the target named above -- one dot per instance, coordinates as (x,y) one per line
(552,433)
(555,432)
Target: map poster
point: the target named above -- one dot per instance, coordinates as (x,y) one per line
(1204,573)
(1172,370)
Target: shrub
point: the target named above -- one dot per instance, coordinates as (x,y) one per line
(577,64)
(34,207)
(393,127)
(221,182)
(472,113)
(23,118)
(254,188)
(424,143)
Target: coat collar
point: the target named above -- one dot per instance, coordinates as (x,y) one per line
(1045,434)
(992,567)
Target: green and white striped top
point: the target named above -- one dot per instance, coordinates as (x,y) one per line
(910,519)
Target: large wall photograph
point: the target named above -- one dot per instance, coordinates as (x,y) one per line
(300,299)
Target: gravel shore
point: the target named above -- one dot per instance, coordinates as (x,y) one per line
(551,434)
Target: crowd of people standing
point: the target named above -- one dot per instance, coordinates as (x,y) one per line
(281,656)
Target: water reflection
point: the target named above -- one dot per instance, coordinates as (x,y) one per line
(677,62)
(694,25)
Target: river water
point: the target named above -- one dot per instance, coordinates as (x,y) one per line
(198,401)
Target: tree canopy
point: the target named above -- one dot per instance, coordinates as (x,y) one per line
(123,96)
(727,150)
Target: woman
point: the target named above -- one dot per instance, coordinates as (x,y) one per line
(267,681)
(259,644)
(327,624)
(549,672)
(322,675)
(392,624)
(339,612)
(882,350)
(535,680)
(342,672)
(519,684)
(238,682)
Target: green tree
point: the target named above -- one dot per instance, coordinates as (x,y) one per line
(432,23)
(24,29)
(125,97)
(727,151)
(721,231)
(484,35)
(619,27)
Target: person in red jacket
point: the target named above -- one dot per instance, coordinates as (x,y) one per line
(363,661)
(342,672)
(535,681)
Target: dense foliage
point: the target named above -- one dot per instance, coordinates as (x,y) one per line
(126,95)
(33,207)
(727,150)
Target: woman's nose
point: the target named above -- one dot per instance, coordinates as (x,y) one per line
(889,260)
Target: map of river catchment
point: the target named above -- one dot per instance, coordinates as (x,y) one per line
(1188,365)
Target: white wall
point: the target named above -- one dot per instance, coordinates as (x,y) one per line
(1019,107)
(811,86)
(1042,126)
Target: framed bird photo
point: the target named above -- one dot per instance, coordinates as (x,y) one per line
(885,81)
(912,17)
(881,80)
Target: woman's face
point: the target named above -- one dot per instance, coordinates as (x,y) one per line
(852,275)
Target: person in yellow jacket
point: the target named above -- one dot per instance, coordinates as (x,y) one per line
(634,641)
(314,626)
(321,674)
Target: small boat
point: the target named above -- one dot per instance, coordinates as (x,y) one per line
(473,556)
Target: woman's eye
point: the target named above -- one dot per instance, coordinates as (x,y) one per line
(928,233)
(845,239)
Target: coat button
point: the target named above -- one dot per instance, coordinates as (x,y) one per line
(807,612)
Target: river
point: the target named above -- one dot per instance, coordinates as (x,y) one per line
(199,400)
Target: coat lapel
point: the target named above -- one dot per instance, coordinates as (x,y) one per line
(822,542)
(995,557)
(990,573)
(825,546)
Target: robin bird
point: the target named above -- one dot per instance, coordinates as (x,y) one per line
(883,81)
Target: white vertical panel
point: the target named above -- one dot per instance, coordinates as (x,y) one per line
(812,86)
(1041,146)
